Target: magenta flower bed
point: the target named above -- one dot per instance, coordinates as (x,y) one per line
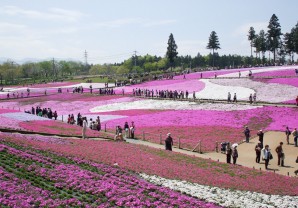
(56,127)
(78,183)
(183,85)
(3,110)
(172,165)
(202,125)
(276,73)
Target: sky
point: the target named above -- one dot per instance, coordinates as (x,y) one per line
(111,30)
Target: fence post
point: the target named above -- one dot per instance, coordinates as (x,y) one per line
(160,139)
(216,146)
(143,135)
(105,127)
(62,118)
(200,147)
(179,143)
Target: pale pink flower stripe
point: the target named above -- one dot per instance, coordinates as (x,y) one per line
(183,85)
(286,72)
(4,110)
(285,81)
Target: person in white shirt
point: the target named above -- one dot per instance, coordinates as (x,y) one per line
(84,128)
(266,155)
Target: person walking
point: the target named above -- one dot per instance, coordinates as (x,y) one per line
(247,134)
(169,142)
(288,133)
(229,97)
(297,101)
(295,135)
(266,155)
(84,129)
(258,149)
(229,152)
(261,137)
(126,130)
(250,99)
(280,154)
(235,98)
(234,154)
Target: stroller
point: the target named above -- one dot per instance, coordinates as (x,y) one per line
(223,147)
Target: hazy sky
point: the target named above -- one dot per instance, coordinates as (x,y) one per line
(111,30)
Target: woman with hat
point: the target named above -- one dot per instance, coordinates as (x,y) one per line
(169,142)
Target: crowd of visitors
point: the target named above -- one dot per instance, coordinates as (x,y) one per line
(129,131)
(43,112)
(173,94)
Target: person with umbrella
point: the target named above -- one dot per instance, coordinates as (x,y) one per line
(234,153)
(169,142)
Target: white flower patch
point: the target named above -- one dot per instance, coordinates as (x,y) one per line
(269,92)
(168,104)
(23,116)
(258,70)
(213,90)
(225,197)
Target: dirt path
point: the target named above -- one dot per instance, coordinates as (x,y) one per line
(247,153)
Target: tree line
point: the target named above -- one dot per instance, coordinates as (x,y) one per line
(272,41)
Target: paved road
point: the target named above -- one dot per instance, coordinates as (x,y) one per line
(247,153)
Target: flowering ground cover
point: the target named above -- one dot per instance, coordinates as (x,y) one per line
(209,127)
(179,85)
(268,92)
(59,128)
(35,178)
(165,164)
(276,73)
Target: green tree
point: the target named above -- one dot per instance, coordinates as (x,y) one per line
(213,44)
(262,44)
(251,38)
(171,50)
(289,44)
(274,34)
(295,38)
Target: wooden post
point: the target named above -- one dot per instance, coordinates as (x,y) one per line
(62,118)
(105,127)
(288,173)
(143,135)
(216,146)
(195,147)
(160,139)
(200,147)
(179,143)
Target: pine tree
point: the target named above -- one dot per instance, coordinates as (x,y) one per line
(171,50)
(213,44)
(251,38)
(274,34)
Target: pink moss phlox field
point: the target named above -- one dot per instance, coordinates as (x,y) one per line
(56,127)
(203,125)
(210,74)
(108,185)
(174,165)
(183,85)
(4,110)
(276,73)
(52,84)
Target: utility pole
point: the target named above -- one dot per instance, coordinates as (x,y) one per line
(86,60)
(53,67)
(135,57)
(86,57)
